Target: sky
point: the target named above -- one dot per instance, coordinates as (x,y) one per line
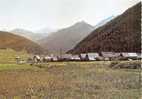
(34,15)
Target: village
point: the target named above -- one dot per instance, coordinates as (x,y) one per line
(103,56)
(70,49)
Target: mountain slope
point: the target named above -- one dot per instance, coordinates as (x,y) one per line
(28,34)
(67,38)
(46,31)
(103,22)
(122,34)
(18,43)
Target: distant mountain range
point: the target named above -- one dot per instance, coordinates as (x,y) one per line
(118,34)
(65,39)
(30,35)
(46,31)
(122,34)
(18,43)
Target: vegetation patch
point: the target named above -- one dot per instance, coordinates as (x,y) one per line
(69,80)
(126,64)
(8,56)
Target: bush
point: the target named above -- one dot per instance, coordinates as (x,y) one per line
(113,64)
(128,64)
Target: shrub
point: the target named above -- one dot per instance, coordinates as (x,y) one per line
(127,64)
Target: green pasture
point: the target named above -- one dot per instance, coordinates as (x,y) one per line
(67,80)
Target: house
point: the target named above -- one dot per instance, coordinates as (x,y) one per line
(93,56)
(89,56)
(66,57)
(53,57)
(49,58)
(110,55)
(84,57)
(125,54)
(139,55)
(129,55)
(75,58)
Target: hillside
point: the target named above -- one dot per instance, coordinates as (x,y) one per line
(67,38)
(122,34)
(18,43)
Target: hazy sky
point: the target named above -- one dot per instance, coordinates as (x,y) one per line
(36,14)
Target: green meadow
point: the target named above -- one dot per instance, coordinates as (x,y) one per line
(66,80)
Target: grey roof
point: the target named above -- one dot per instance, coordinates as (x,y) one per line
(83,55)
(93,55)
(110,54)
(76,57)
(90,55)
(125,54)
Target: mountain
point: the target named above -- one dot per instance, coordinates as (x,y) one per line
(122,34)
(104,21)
(67,38)
(46,31)
(18,43)
(28,34)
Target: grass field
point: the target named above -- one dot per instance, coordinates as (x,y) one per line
(68,80)
(9,55)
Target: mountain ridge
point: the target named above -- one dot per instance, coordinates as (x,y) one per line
(66,38)
(122,34)
(29,34)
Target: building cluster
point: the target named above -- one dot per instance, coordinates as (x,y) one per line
(103,56)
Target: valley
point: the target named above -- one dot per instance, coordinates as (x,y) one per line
(83,51)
